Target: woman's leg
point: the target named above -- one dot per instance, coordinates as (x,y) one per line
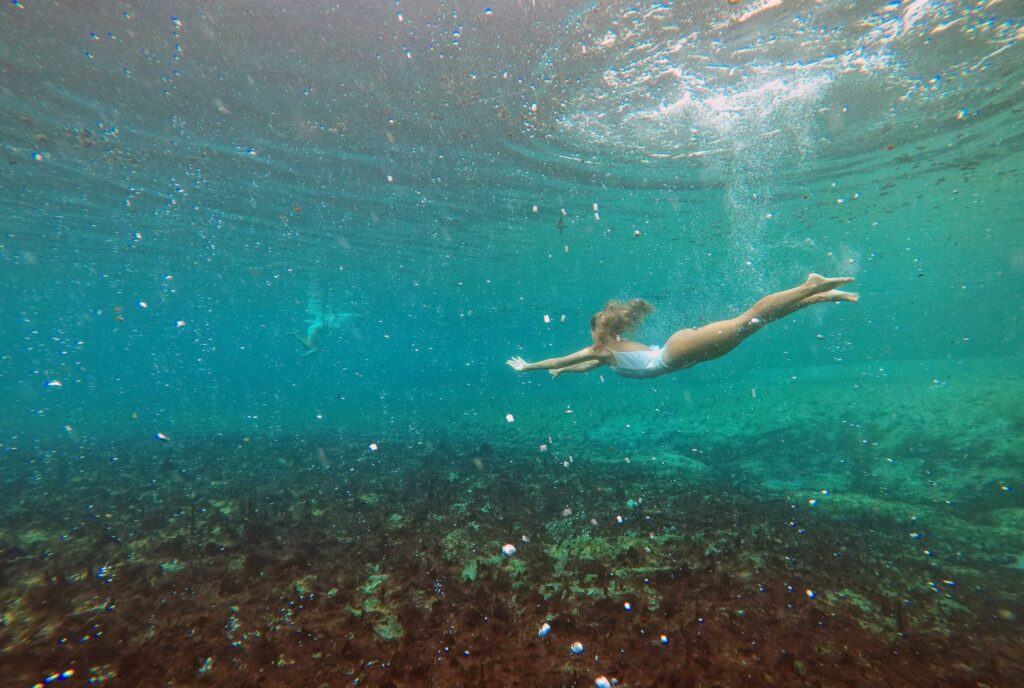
(687,347)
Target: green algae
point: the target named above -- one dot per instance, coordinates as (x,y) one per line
(374,604)
(171,567)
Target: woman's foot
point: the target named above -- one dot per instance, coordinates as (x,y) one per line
(822,284)
(831,295)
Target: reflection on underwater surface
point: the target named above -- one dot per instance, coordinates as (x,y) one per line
(195,196)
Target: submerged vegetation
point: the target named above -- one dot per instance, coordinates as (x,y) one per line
(320,560)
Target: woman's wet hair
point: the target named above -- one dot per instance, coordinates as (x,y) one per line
(619,317)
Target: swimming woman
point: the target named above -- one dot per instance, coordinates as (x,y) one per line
(320,318)
(687,347)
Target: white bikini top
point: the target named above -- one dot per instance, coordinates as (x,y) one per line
(640,364)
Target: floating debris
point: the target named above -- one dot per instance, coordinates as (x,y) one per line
(545,628)
(576,648)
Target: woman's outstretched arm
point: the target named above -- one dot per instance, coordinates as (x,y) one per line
(577,368)
(518,364)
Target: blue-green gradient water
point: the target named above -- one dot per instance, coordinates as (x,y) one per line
(222,164)
(185,184)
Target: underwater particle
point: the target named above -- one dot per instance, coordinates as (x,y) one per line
(562,319)
(508,549)
(602,682)
(143,304)
(545,628)
(636,233)
(576,648)
(810,594)
(510,418)
(207,665)
(180,323)
(391,179)
(547,319)
(620,520)
(373,446)
(566,512)
(536,209)
(627,606)
(37,156)
(663,639)
(542,448)
(488,11)
(632,504)
(54,383)
(950,583)
(162,437)
(812,501)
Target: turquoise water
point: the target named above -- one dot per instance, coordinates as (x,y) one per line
(455,183)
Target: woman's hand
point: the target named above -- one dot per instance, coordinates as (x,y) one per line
(517,363)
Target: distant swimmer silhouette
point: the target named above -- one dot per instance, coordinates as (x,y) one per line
(319,320)
(687,347)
